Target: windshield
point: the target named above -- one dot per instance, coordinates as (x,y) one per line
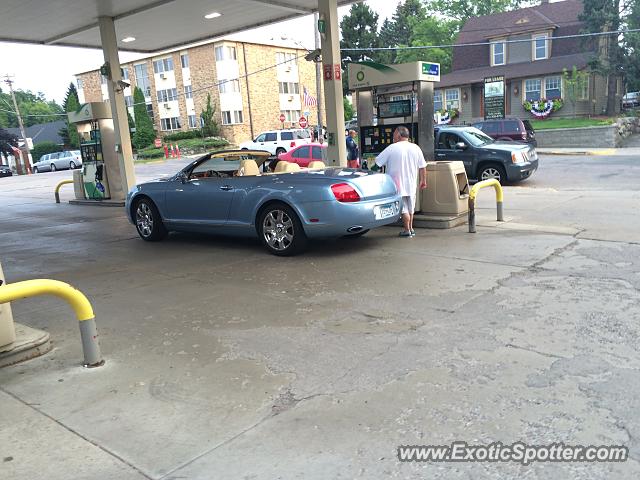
(477,138)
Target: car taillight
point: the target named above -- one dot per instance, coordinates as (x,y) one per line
(345,192)
(293,144)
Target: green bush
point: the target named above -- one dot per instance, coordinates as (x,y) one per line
(213,142)
(172,137)
(43,148)
(146,153)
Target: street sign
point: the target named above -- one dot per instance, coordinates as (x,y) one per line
(303,122)
(157,142)
(282,118)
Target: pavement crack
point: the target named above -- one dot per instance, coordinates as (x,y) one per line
(533,350)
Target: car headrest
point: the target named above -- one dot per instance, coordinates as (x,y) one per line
(248,168)
(317,164)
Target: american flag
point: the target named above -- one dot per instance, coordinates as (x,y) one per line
(308,100)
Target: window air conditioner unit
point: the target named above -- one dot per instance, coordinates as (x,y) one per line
(291,98)
(288,69)
(167,106)
(163,76)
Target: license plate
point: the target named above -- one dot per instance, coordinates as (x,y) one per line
(384,211)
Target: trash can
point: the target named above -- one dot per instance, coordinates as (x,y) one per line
(447,189)
(7,328)
(78,185)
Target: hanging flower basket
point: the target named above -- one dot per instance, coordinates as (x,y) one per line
(543,108)
(446,116)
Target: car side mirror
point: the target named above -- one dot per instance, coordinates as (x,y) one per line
(461,146)
(183,177)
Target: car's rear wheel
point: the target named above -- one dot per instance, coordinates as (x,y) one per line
(148,221)
(280,150)
(72,165)
(53,167)
(488,172)
(280,230)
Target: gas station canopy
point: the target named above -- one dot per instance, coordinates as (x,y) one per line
(155,25)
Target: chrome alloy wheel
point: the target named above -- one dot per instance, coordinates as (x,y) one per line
(144,219)
(490,173)
(278,230)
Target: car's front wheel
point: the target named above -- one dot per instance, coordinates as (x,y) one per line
(488,172)
(53,167)
(148,221)
(35,169)
(280,230)
(72,165)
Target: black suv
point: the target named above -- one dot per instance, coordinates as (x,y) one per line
(509,129)
(5,171)
(483,157)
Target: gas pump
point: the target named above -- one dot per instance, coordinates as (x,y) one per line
(97,147)
(388,96)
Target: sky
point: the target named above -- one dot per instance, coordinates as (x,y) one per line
(50,69)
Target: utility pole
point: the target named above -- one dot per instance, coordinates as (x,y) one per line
(25,150)
(316,17)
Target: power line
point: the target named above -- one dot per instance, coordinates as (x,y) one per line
(475,44)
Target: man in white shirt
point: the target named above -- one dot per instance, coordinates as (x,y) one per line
(404,160)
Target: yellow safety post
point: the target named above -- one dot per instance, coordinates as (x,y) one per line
(472,201)
(64,182)
(75,298)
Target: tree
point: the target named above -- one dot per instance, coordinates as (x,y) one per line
(348,109)
(632,41)
(210,126)
(145,134)
(359,30)
(463,10)
(574,82)
(34,109)
(69,132)
(42,148)
(431,31)
(613,56)
(399,30)
(6,141)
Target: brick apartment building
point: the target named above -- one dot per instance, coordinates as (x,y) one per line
(250,86)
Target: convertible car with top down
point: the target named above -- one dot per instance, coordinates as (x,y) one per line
(226,193)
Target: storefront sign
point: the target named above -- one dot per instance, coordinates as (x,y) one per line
(494,101)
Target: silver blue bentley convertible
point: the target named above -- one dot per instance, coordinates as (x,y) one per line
(234,193)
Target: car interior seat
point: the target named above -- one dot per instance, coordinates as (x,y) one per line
(291,167)
(248,168)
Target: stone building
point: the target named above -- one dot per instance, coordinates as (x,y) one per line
(250,84)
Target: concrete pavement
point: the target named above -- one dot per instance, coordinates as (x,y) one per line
(226,362)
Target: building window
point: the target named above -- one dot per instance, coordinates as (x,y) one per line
(582,88)
(124,72)
(225,53)
(231,117)
(497,53)
(289,58)
(172,123)
(437,100)
(150,110)
(193,121)
(128,100)
(532,89)
(289,88)
(184,60)
(164,65)
(553,87)
(453,98)
(80,83)
(142,78)
(540,47)
(167,95)
(229,86)
(188,93)
(291,115)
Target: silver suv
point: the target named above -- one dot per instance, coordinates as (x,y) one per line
(51,162)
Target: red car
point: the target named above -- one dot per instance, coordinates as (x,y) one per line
(304,154)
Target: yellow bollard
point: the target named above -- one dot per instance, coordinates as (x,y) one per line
(472,201)
(80,304)
(64,182)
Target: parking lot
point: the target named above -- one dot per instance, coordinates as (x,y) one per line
(223,361)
